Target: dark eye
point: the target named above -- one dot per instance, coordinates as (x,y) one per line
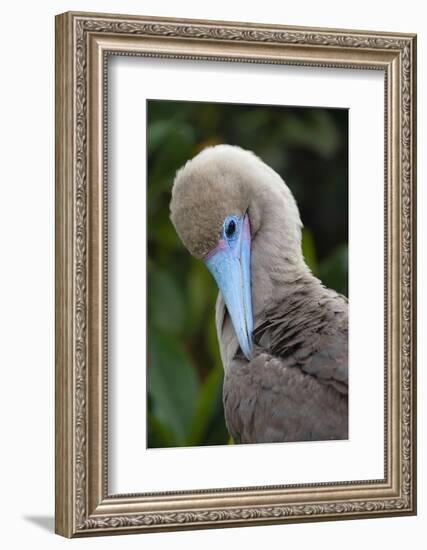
(230,229)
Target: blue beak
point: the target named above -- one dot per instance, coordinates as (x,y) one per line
(230,265)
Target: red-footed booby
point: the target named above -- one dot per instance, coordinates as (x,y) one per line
(283,335)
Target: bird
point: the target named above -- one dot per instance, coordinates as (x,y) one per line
(282,334)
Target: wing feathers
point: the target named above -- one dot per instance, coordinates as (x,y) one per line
(296,387)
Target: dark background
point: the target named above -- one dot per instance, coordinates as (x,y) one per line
(308,147)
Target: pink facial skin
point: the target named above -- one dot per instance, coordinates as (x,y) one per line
(222,245)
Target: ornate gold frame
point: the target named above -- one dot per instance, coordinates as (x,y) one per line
(83,42)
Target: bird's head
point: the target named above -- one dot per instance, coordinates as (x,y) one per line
(220,202)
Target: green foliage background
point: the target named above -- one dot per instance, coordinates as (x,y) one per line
(308,147)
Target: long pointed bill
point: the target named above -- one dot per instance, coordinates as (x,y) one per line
(230,265)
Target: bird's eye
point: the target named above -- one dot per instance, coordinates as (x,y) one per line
(230,228)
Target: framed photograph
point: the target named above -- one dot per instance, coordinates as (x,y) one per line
(235,274)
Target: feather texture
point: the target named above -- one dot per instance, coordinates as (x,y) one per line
(296,386)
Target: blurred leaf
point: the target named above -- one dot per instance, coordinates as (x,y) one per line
(252,121)
(314,129)
(158,434)
(165,234)
(170,135)
(210,395)
(210,142)
(168,143)
(308,249)
(333,270)
(166,306)
(201,293)
(172,384)
(212,338)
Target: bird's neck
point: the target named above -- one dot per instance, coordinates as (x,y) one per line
(278,271)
